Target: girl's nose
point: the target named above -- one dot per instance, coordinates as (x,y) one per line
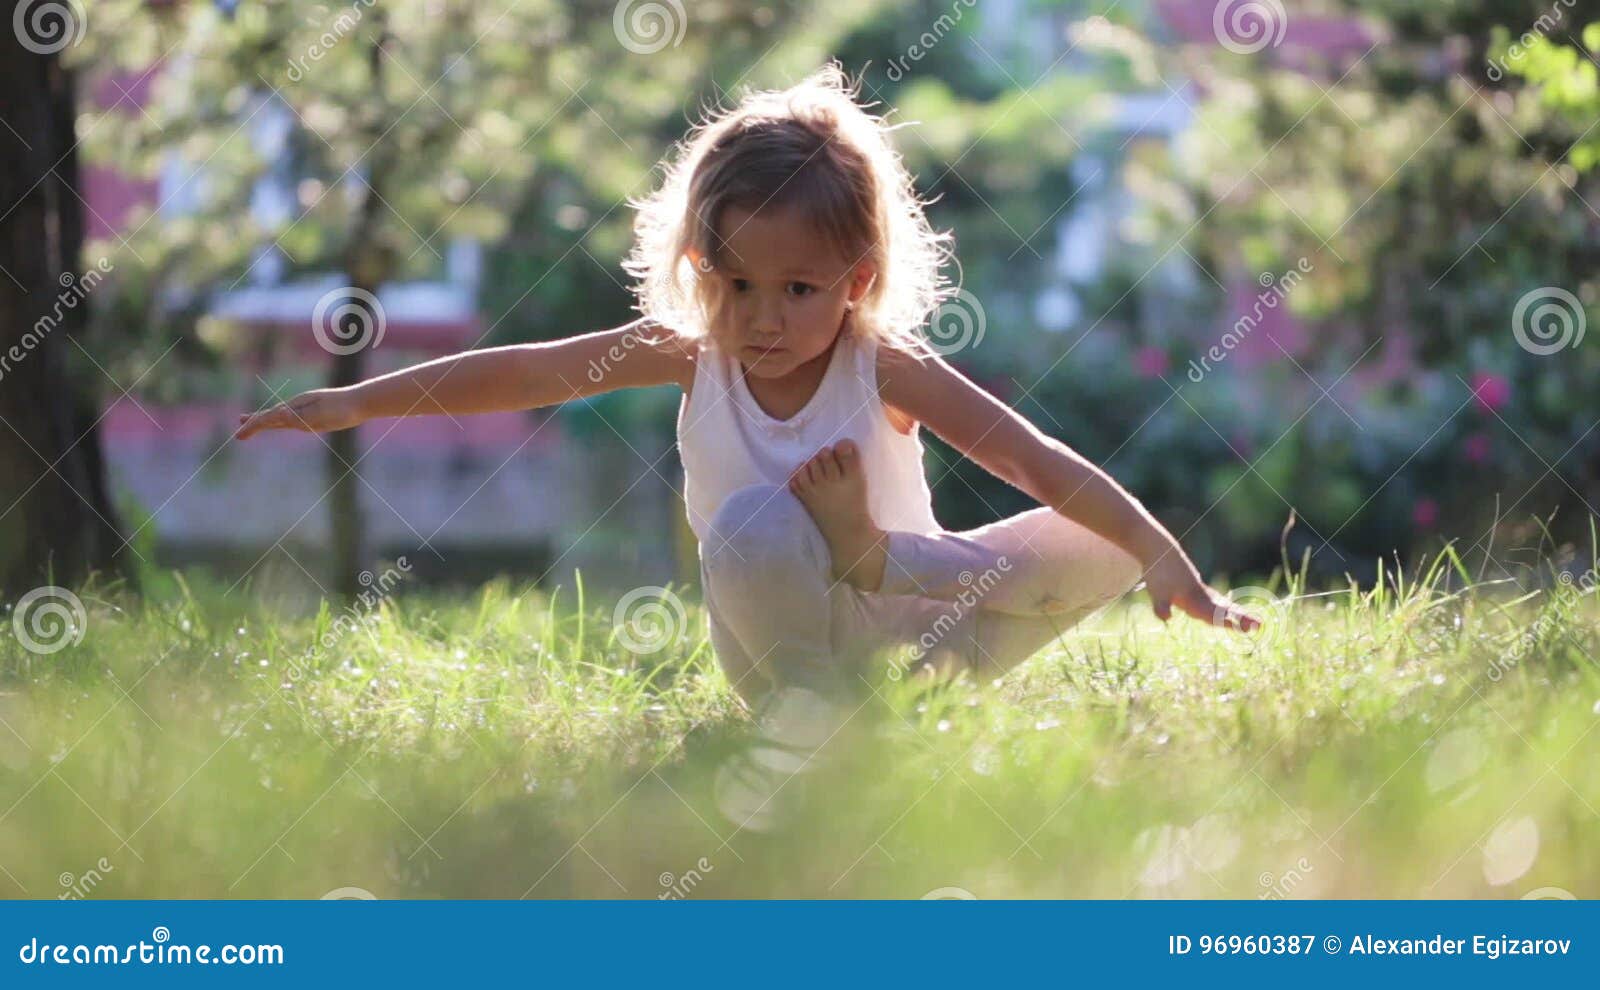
(768,322)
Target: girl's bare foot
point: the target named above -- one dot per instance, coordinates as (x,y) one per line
(832,485)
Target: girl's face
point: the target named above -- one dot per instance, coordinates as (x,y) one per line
(783,288)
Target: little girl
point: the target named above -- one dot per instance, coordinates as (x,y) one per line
(783,270)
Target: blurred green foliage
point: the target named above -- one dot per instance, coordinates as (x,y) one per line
(1434,178)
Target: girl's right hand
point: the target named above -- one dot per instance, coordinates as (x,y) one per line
(320,410)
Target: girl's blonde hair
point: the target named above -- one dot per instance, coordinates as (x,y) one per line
(812,147)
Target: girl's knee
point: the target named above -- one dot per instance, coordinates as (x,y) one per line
(760,526)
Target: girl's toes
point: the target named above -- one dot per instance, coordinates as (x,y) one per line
(831,468)
(804,469)
(810,470)
(847,455)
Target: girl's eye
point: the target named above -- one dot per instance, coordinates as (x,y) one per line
(804,289)
(739,284)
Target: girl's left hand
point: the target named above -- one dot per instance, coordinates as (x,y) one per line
(1173,581)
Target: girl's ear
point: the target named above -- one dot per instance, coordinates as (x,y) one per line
(861,282)
(697,259)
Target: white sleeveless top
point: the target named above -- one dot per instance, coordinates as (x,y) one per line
(728,442)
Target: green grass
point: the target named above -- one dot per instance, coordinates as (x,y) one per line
(1411,741)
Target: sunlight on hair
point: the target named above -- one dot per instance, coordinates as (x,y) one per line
(811,146)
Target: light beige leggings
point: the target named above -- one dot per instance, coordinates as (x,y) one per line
(984,600)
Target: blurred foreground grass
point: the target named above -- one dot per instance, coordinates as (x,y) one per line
(1407,742)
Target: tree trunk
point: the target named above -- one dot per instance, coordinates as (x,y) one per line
(367,265)
(57,523)
(344,491)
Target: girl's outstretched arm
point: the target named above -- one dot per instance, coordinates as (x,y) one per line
(494,379)
(1008,446)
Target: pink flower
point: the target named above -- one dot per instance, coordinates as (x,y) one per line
(1425,512)
(1476,448)
(1151,362)
(1492,391)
